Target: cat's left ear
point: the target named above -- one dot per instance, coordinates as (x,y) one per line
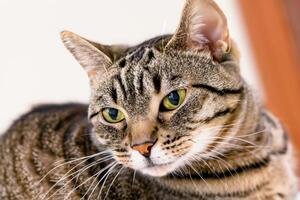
(93,57)
(202,24)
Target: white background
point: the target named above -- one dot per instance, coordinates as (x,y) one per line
(35,67)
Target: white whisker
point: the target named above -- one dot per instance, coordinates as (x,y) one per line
(97,174)
(80,171)
(113,181)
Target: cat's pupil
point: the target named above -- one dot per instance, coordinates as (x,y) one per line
(174,97)
(113,113)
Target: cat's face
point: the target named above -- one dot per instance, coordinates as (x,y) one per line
(173,104)
(158,109)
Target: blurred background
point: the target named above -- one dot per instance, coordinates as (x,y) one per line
(35,67)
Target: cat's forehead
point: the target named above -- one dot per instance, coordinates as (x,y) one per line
(146,72)
(166,64)
(148,67)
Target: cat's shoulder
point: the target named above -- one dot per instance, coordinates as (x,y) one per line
(56,109)
(50,114)
(49,108)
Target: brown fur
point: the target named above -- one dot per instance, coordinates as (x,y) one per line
(218,144)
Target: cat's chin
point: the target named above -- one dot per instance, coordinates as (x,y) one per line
(158,170)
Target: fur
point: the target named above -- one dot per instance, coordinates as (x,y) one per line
(218,144)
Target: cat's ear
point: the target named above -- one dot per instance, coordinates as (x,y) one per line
(93,57)
(202,24)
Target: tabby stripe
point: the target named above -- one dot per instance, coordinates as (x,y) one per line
(138,54)
(141,84)
(217,114)
(121,150)
(119,80)
(226,173)
(239,170)
(93,115)
(114,94)
(122,63)
(127,78)
(123,156)
(150,55)
(220,92)
(238,194)
(157,82)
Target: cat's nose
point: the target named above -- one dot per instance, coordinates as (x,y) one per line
(144,148)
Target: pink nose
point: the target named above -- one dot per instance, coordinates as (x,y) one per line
(144,149)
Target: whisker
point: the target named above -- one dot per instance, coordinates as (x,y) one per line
(80,171)
(106,177)
(133,176)
(238,145)
(113,164)
(208,186)
(97,174)
(113,182)
(71,161)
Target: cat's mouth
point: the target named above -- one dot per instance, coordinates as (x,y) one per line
(158,170)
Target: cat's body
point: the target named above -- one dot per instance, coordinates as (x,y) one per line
(54,133)
(214,142)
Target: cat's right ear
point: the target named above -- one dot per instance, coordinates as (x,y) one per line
(93,57)
(202,25)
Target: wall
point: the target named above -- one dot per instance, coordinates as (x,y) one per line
(35,68)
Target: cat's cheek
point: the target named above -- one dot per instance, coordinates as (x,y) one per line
(99,141)
(202,139)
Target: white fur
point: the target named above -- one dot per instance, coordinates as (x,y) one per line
(165,164)
(138,161)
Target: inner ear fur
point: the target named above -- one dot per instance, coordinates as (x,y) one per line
(202,25)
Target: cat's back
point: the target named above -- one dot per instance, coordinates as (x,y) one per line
(41,118)
(36,137)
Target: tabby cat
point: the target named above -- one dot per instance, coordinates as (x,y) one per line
(168,119)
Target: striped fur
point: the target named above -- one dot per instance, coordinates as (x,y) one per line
(54,133)
(219,144)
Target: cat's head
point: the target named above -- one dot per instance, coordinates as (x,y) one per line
(164,103)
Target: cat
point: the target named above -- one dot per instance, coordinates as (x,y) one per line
(170,118)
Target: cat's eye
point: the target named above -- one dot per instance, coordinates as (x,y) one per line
(112,115)
(173,100)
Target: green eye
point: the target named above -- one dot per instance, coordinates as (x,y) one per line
(173,100)
(112,115)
